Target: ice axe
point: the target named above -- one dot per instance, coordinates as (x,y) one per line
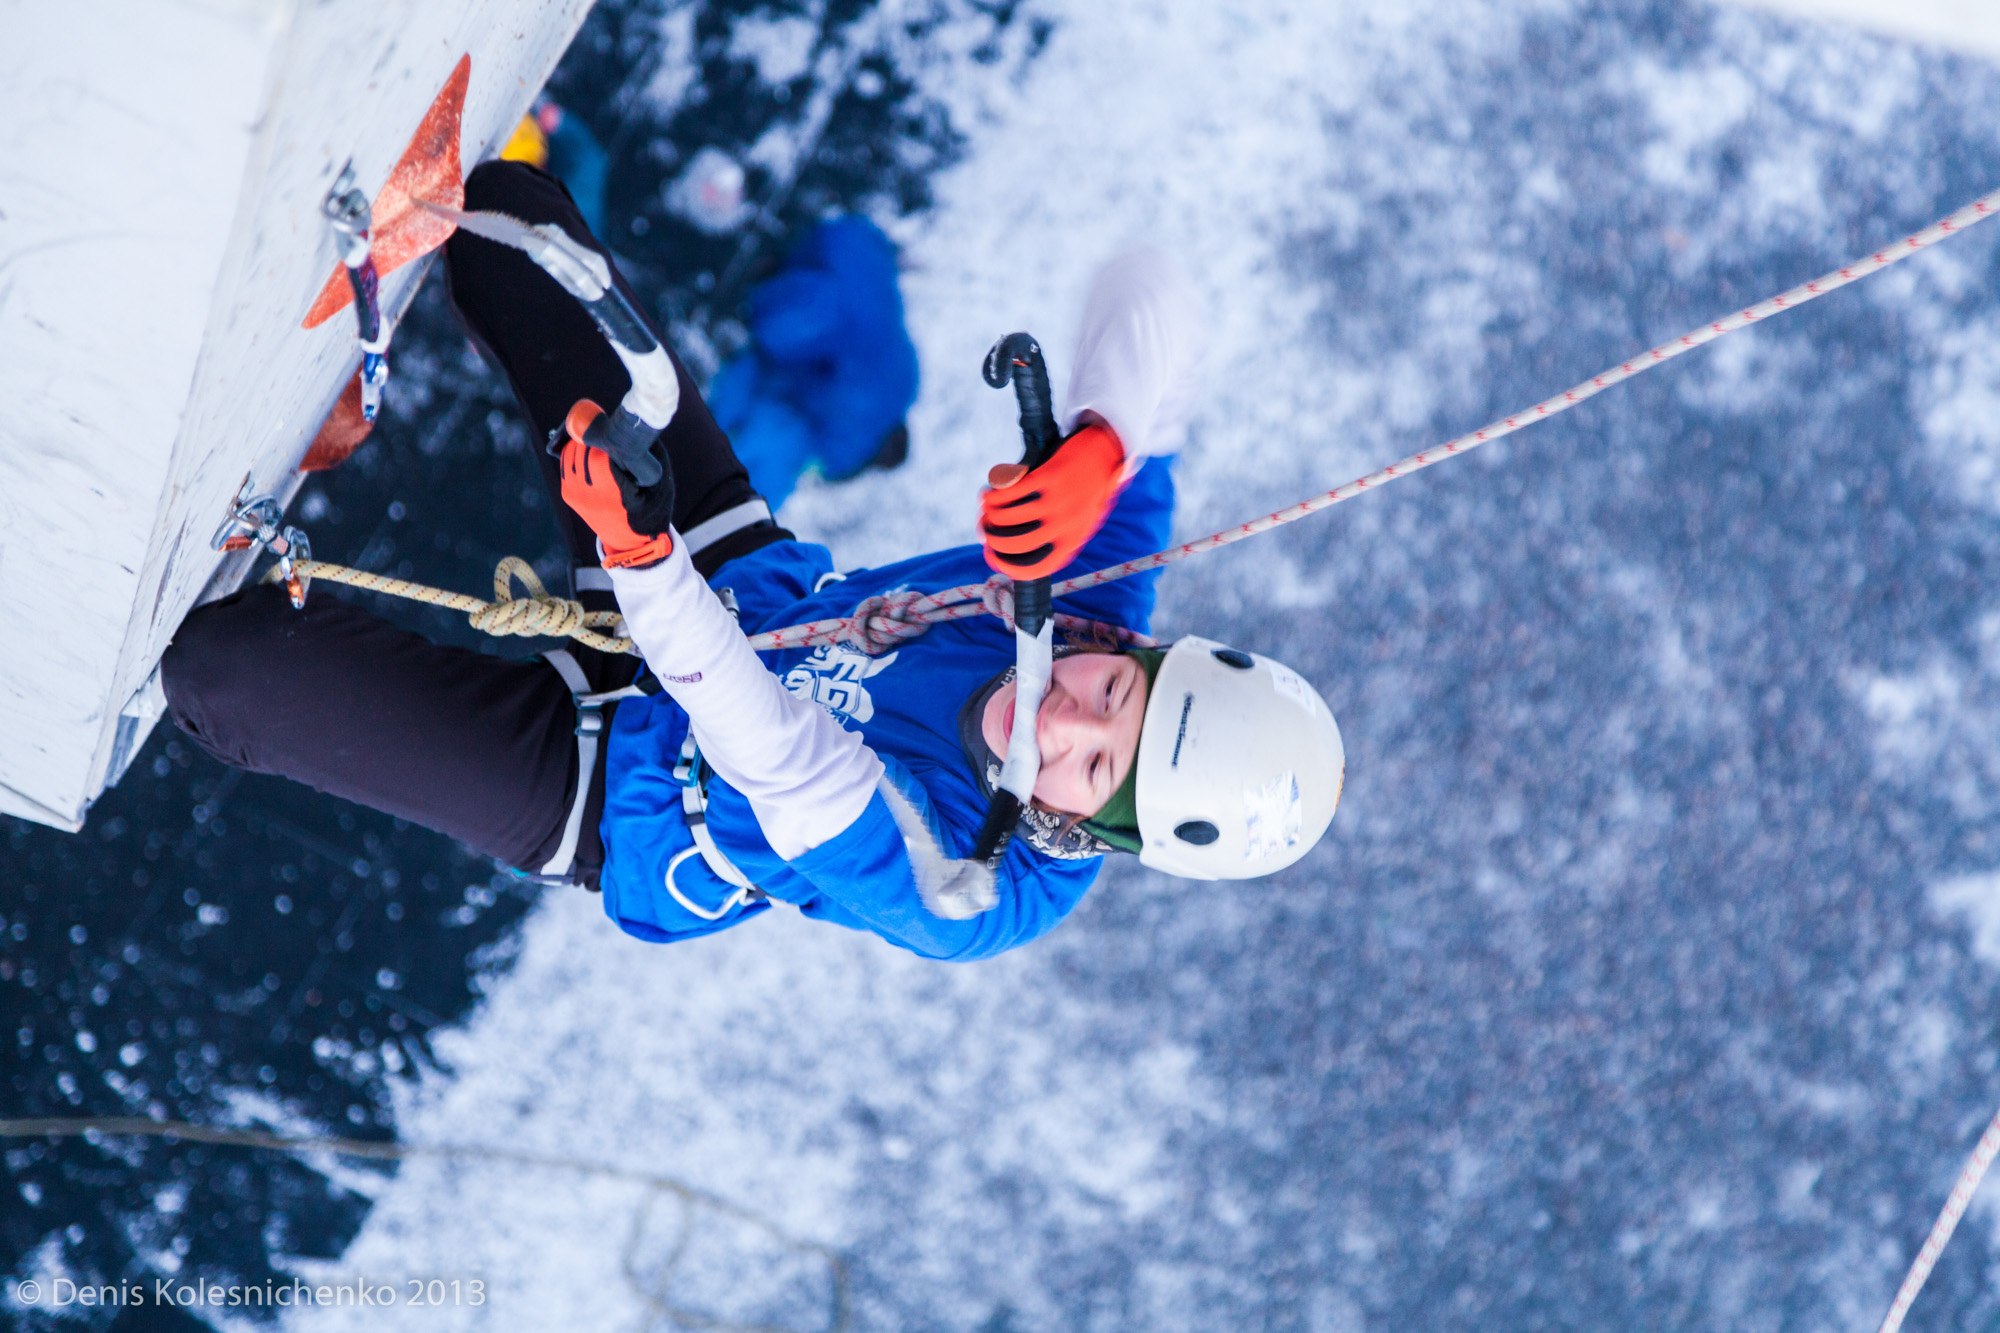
(1017,359)
(626,433)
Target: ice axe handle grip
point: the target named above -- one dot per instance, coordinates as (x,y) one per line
(1017,359)
(624,436)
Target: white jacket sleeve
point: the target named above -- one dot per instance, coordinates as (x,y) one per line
(806,777)
(1137,353)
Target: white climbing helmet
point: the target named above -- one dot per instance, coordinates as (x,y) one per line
(1239,765)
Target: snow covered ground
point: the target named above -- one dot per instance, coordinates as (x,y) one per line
(1615,999)
(1648,978)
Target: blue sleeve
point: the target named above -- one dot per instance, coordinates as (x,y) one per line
(866,878)
(1140,524)
(772,580)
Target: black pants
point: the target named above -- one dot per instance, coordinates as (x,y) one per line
(474,746)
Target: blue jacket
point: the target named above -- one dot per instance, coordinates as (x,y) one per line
(906,704)
(831,370)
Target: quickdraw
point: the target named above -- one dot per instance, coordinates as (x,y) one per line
(347,213)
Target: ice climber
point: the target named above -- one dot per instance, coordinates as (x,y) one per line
(850,786)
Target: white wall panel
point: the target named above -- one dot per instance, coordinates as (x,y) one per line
(160,243)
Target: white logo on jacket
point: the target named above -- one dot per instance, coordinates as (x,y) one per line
(832,678)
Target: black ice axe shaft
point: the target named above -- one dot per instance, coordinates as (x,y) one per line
(629,430)
(1017,359)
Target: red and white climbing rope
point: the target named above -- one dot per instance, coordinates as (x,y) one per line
(882,622)
(879,623)
(1947,1222)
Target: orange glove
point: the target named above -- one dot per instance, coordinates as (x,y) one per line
(630,520)
(1034,522)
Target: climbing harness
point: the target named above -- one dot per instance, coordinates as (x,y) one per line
(693,773)
(725,524)
(347,213)
(690,771)
(590,720)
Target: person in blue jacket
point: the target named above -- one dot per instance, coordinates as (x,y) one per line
(830,373)
(850,785)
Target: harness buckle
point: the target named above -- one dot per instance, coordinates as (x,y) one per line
(692,774)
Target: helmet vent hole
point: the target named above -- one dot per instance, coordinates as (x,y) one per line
(1235,657)
(1199,832)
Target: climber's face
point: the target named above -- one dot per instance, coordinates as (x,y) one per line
(1088,729)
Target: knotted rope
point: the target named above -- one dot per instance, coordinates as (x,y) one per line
(877,624)
(537,615)
(880,623)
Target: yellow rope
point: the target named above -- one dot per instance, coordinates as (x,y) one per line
(537,615)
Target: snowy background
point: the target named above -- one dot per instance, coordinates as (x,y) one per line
(1651,974)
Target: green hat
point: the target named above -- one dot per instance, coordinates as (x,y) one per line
(1118,822)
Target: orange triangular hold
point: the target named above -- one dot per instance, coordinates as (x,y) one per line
(345,427)
(398,230)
